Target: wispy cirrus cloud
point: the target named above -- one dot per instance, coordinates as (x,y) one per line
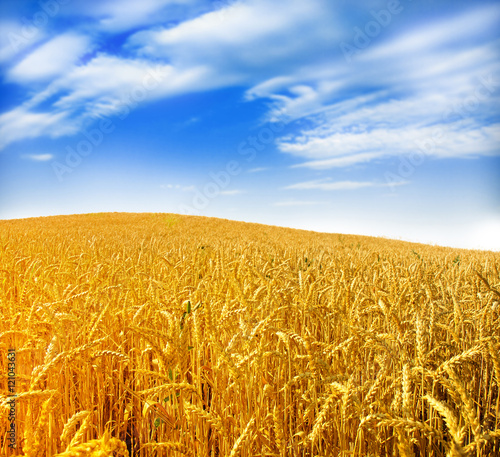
(384,104)
(13,41)
(229,46)
(328,185)
(21,123)
(51,59)
(257,169)
(105,86)
(38,157)
(343,161)
(117,16)
(341,149)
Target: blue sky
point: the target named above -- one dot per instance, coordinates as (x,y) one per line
(367,117)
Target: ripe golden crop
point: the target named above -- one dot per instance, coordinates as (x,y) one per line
(166,335)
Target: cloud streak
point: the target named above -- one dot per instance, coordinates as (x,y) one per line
(39,157)
(51,59)
(328,185)
(257,170)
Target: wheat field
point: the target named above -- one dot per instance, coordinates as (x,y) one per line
(169,335)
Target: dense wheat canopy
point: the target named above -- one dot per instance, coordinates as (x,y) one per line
(167,335)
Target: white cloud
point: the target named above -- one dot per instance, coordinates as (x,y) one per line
(53,58)
(327,184)
(106,82)
(269,87)
(105,86)
(438,33)
(343,161)
(254,36)
(16,37)
(341,149)
(38,157)
(258,169)
(120,15)
(21,124)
